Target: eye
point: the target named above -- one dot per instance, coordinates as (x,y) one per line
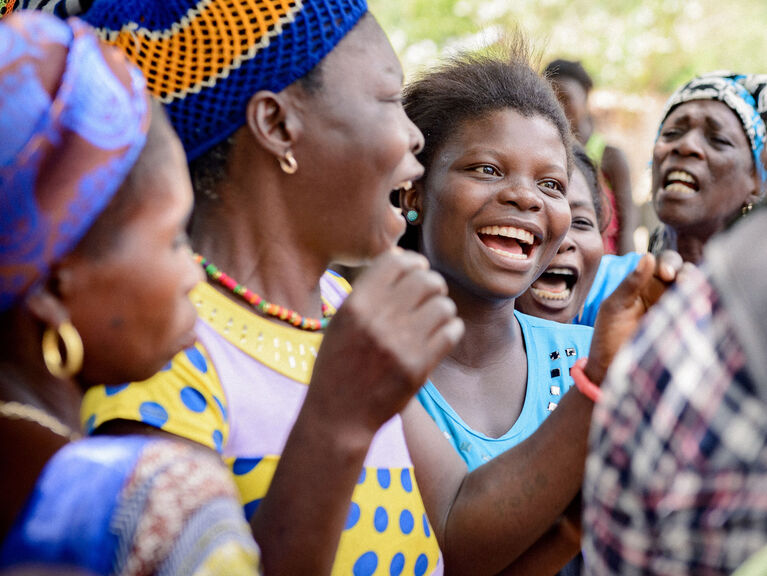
(486,169)
(581,223)
(550,185)
(670,133)
(720,140)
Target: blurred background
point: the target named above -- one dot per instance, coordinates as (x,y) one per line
(636,51)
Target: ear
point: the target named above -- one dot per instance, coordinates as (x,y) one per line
(273,121)
(760,186)
(46,305)
(411,199)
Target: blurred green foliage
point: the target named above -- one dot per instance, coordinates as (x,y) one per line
(627,45)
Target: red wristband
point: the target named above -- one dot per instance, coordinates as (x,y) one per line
(582,382)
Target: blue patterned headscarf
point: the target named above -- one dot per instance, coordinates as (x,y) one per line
(73,120)
(742,94)
(204,59)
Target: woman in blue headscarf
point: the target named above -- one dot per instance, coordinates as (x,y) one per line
(708,161)
(94,279)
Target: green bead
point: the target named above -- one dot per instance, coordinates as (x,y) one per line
(411,216)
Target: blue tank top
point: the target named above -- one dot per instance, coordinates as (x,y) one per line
(552,348)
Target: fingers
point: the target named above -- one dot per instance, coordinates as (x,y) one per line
(631,287)
(668,266)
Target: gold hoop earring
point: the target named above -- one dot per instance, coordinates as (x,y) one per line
(73,349)
(288,163)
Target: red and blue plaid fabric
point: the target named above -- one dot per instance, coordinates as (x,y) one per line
(676,479)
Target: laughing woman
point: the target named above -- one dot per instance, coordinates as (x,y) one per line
(489,214)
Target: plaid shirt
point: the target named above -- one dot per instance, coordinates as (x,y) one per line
(676,479)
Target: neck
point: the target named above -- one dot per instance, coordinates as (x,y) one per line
(249,234)
(690,247)
(36,388)
(491,330)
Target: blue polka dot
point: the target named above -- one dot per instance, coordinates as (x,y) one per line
(193,399)
(112,390)
(244,465)
(426,528)
(381,519)
(397,564)
(218,441)
(407,482)
(153,414)
(384,478)
(363,474)
(167,367)
(220,407)
(365,564)
(406,522)
(421,565)
(90,423)
(251,507)
(197,359)
(353,517)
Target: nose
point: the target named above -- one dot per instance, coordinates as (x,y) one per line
(522,195)
(689,144)
(567,245)
(416,138)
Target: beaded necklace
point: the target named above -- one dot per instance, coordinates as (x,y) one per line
(286,314)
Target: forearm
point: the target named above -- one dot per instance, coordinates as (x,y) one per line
(299,522)
(549,554)
(505,506)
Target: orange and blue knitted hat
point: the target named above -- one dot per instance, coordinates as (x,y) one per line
(204,59)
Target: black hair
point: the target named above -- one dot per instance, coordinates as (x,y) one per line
(474,85)
(590,172)
(572,69)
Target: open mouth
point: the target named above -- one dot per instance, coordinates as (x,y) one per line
(507,241)
(555,284)
(681,182)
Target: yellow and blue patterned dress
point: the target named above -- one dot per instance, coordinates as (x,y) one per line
(239,391)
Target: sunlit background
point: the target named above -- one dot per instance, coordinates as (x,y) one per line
(636,51)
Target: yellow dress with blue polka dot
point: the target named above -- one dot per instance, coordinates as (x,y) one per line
(239,391)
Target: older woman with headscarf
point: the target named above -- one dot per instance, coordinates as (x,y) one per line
(93,189)
(708,161)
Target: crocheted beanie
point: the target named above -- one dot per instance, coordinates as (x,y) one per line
(204,59)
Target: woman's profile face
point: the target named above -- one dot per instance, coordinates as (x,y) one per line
(494,203)
(561,290)
(702,171)
(130,304)
(359,146)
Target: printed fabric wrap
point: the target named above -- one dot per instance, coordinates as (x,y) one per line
(742,94)
(73,120)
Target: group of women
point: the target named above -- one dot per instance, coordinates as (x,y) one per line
(297,135)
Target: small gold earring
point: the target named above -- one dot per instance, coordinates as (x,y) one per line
(746,209)
(73,349)
(288,163)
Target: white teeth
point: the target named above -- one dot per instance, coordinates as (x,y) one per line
(560,271)
(522,256)
(679,188)
(406,185)
(680,176)
(508,232)
(547,295)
